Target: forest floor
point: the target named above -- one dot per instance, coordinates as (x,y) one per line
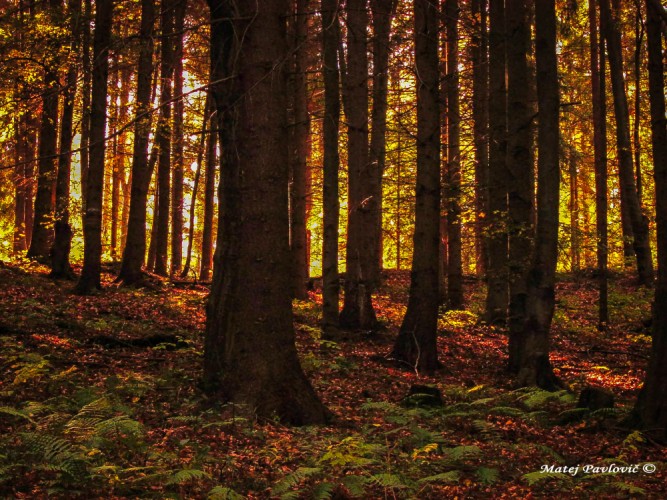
(99,398)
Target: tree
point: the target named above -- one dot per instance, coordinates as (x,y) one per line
(135,244)
(520,170)
(382,13)
(60,266)
(454,264)
(629,194)
(42,234)
(497,278)
(250,355)
(600,151)
(209,202)
(358,309)
(300,192)
(331,165)
(92,227)
(416,342)
(651,406)
(534,367)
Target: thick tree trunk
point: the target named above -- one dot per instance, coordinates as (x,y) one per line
(382,13)
(534,367)
(60,266)
(163,135)
(651,407)
(135,244)
(358,312)
(250,355)
(92,228)
(453,202)
(480,113)
(299,151)
(497,273)
(519,167)
(178,139)
(330,130)
(416,344)
(638,221)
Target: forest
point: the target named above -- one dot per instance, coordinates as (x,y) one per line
(333,249)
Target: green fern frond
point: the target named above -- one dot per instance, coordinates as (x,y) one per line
(323,491)
(8,410)
(120,425)
(627,488)
(293,479)
(100,408)
(185,475)
(509,411)
(572,415)
(444,477)
(186,419)
(487,475)
(608,413)
(223,493)
(459,453)
(533,478)
(355,485)
(482,401)
(551,452)
(383,406)
(484,428)
(388,480)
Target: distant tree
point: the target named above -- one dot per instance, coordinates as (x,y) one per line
(135,245)
(651,406)
(249,351)
(629,194)
(92,227)
(416,342)
(209,202)
(534,367)
(331,164)
(358,309)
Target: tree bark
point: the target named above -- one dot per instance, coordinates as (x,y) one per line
(453,202)
(519,167)
(250,355)
(497,273)
(178,140)
(534,365)
(416,344)
(651,406)
(135,244)
(382,13)
(358,312)
(163,135)
(299,151)
(330,130)
(209,204)
(640,236)
(92,228)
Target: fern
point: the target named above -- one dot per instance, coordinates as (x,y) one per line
(551,452)
(484,428)
(572,415)
(509,411)
(627,488)
(185,475)
(460,453)
(57,454)
(120,425)
(487,475)
(293,479)
(323,491)
(604,413)
(8,410)
(444,477)
(388,480)
(355,485)
(223,493)
(533,478)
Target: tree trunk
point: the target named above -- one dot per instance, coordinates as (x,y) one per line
(636,122)
(163,135)
(358,312)
(205,130)
(135,244)
(86,70)
(178,139)
(382,13)
(299,150)
(250,355)
(92,228)
(209,204)
(651,406)
(330,130)
(534,365)
(60,266)
(497,273)
(519,167)
(454,263)
(416,345)
(118,173)
(480,114)
(640,241)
